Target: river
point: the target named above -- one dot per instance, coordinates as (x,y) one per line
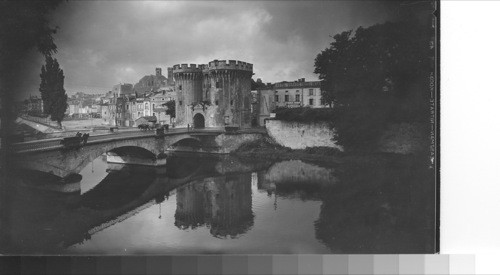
(224,204)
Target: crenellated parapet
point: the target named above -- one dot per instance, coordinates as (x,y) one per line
(185,68)
(213,65)
(229,65)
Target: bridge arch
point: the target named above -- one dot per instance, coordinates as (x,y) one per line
(188,142)
(135,151)
(65,162)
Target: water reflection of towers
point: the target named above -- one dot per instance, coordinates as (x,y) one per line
(223,203)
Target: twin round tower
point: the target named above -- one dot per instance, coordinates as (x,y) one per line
(216,94)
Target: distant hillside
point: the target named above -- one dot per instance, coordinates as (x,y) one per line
(150,83)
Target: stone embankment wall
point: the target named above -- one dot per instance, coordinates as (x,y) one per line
(39,126)
(401,138)
(297,135)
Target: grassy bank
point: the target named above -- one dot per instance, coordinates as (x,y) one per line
(269,150)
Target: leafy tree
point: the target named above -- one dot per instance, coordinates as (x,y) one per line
(255,85)
(328,64)
(52,89)
(376,76)
(170,108)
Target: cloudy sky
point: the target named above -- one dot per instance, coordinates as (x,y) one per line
(102,43)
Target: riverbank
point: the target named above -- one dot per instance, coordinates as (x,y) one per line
(267,149)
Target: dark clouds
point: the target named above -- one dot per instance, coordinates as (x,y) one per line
(101,43)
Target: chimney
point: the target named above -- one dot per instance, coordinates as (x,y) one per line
(158,71)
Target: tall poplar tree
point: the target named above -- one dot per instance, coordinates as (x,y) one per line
(52,89)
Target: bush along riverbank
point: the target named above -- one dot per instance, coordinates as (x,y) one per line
(268,149)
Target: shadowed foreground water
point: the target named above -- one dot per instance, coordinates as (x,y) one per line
(214,204)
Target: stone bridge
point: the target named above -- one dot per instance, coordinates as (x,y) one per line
(144,149)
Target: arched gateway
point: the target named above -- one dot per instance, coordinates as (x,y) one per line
(199,121)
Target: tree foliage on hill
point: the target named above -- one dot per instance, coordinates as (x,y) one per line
(376,76)
(52,89)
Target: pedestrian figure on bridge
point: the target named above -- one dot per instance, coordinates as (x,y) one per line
(85,138)
(188,127)
(79,134)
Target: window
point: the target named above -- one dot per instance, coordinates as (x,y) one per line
(311,91)
(297,91)
(180,87)
(311,101)
(138,113)
(127,107)
(217,84)
(232,101)
(217,102)
(180,102)
(286,98)
(153,106)
(297,98)
(277,98)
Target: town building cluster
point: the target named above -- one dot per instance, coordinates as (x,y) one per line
(215,94)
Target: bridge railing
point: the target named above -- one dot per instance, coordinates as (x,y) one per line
(37,144)
(53,143)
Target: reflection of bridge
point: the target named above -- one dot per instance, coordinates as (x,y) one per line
(152,190)
(51,157)
(220,182)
